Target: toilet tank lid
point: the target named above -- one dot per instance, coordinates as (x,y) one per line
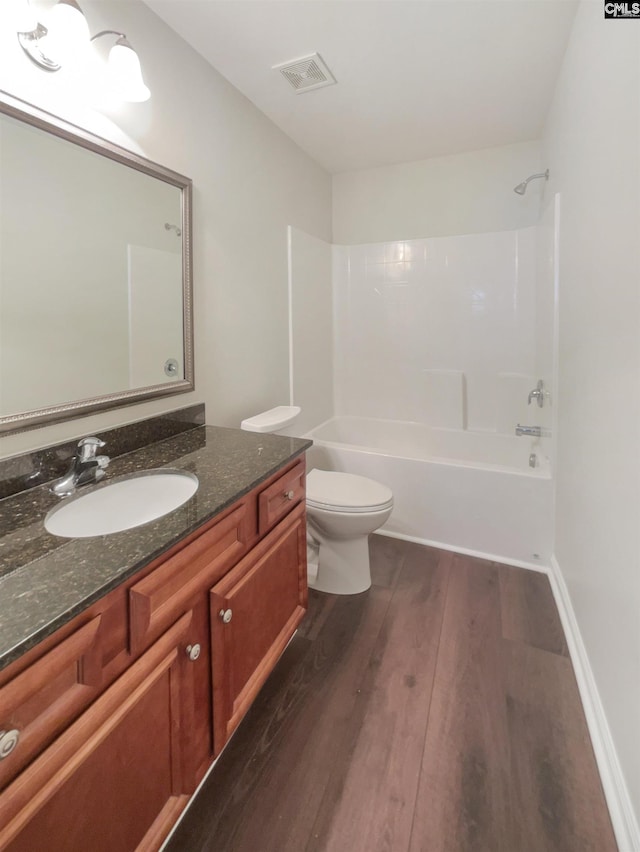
(272,420)
(346,490)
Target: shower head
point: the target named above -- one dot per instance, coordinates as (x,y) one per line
(521,188)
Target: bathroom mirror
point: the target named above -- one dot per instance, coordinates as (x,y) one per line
(95,273)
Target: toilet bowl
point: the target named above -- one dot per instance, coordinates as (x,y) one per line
(343,509)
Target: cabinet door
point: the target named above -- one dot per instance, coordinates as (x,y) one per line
(255,610)
(116,780)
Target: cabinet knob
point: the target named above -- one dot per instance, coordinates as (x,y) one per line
(289,495)
(226,615)
(193,652)
(8,741)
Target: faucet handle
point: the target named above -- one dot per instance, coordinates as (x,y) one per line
(89,446)
(537,394)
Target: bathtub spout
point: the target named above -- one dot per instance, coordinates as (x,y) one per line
(534,431)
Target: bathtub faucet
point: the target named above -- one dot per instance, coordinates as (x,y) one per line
(538,394)
(534,431)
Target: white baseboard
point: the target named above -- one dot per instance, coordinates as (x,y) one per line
(492,557)
(623,818)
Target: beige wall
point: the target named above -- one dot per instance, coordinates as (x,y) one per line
(250,183)
(592,144)
(444,196)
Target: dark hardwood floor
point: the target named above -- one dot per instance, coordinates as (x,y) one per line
(436,712)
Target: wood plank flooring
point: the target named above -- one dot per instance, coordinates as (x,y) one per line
(437,712)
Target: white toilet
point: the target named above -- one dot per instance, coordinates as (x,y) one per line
(342,510)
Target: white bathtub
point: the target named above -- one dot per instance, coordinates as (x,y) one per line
(472,492)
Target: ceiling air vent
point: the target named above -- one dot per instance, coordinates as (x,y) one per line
(307,73)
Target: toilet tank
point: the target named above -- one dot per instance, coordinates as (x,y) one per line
(272,420)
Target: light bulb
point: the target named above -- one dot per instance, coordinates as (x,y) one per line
(125,74)
(68,33)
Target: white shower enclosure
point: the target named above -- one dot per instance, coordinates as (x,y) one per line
(436,344)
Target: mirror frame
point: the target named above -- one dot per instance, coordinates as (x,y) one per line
(21,421)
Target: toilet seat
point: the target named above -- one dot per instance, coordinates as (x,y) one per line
(346,492)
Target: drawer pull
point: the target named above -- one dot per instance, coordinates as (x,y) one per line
(289,495)
(193,652)
(226,615)
(8,741)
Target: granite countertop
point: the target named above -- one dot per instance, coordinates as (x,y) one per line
(45,580)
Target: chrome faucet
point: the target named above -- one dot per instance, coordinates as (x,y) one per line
(86,467)
(538,394)
(534,431)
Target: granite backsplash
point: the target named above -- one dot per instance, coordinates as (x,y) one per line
(29,470)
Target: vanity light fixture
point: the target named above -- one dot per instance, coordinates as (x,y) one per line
(66,38)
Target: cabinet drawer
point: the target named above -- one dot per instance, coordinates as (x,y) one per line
(280,497)
(162,596)
(41,701)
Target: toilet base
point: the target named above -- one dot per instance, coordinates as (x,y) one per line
(343,567)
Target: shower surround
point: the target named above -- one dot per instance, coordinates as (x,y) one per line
(436,346)
(439,331)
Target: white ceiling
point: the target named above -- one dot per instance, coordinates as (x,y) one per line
(416,78)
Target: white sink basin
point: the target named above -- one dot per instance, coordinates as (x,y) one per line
(122,505)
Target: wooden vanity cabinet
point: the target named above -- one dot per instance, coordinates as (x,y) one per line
(120,716)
